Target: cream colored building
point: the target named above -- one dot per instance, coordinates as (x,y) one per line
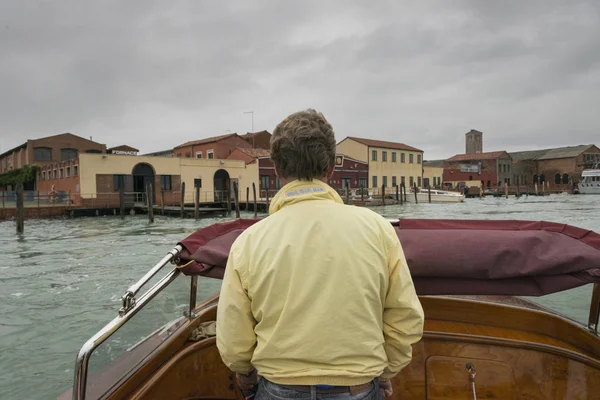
(433,173)
(102,175)
(390,163)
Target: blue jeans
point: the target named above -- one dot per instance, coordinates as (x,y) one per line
(271,391)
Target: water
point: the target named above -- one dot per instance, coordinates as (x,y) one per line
(62,281)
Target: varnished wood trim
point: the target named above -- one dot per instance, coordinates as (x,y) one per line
(518,344)
(511,317)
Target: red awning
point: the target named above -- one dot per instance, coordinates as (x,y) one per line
(458,257)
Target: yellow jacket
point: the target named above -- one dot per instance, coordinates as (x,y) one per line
(318,293)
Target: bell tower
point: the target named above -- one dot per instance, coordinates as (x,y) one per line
(474,142)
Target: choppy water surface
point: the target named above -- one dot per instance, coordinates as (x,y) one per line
(62,280)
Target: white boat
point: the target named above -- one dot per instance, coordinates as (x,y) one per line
(437,196)
(590,181)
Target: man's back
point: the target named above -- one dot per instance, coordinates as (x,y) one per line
(317,273)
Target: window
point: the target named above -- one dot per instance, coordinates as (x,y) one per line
(118,182)
(93,151)
(68,154)
(42,154)
(165,182)
(565,179)
(418,159)
(75,170)
(197,182)
(43,175)
(470,177)
(178,154)
(412,181)
(363,182)
(54,174)
(402,158)
(419,181)
(277,183)
(426,182)
(198,154)
(264,181)
(384,156)
(393,180)
(393,156)
(374,155)
(384,181)
(411,158)
(210,154)
(374,181)
(68,172)
(557,179)
(60,173)
(402,181)
(188,154)
(535,179)
(542,178)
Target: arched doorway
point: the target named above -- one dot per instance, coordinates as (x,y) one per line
(557,179)
(535,179)
(221,184)
(143,174)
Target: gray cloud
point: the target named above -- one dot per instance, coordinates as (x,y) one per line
(154,74)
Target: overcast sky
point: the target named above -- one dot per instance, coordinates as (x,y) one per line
(155,74)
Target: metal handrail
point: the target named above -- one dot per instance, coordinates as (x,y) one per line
(131,307)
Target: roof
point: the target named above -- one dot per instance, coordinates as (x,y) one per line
(434,163)
(124,148)
(250,134)
(255,153)
(19,147)
(160,153)
(384,144)
(550,154)
(207,140)
(24,145)
(490,155)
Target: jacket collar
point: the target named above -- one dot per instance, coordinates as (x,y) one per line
(298,191)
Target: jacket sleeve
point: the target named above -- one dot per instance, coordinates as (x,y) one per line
(403,317)
(236,339)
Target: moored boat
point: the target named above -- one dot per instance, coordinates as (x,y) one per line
(590,180)
(481,340)
(437,196)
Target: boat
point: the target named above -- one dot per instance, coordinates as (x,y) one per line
(482,338)
(590,180)
(437,196)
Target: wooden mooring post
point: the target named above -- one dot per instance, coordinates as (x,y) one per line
(254,194)
(237,200)
(197,203)
(20,214)
(162,202)
(150,197)
(506,190)
(415,190)
(543,188)
(228,194)
(362,195)
(347,195)
(481,191)
(536,189)
(267,206)
(182,203)
(383,195)
(429,193)
(122,201)
(404,191)
(518,194)
(401,196)
(247,199)
(397,192)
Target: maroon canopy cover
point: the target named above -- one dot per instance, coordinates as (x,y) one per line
(459,257)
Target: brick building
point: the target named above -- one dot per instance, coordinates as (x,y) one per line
(493,169)
(558,166)
(47,150)
(217,147)
(268,180)
(349,173)
(258,140)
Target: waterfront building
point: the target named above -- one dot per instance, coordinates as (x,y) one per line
(350,173)
(268,180)
(389,163)
(560,166)
(433,172)
(212,148)
(93,178)
(492,169)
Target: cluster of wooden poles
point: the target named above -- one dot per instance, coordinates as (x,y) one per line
(400,194)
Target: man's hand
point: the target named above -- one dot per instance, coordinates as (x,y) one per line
(247,382)
(386,388)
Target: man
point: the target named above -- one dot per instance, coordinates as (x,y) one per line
(317,298)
